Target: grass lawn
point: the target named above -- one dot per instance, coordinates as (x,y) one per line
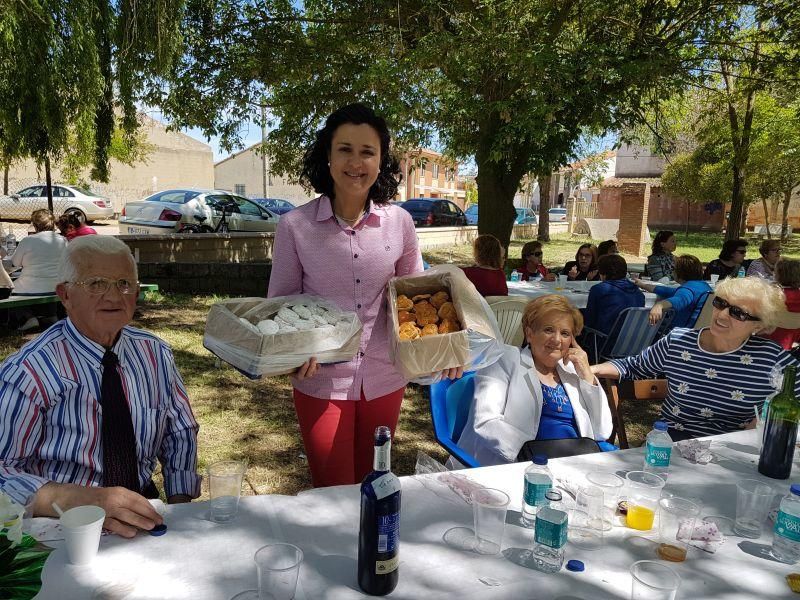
(255,420)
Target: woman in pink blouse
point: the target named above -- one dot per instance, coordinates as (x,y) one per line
(345,246)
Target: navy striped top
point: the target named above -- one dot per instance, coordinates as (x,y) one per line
(51,418)
(709,393)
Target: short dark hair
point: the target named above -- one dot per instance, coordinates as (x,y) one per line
(612,266)
(604,247)
(529,248)
(67,220)
(729,247)
(488,251)
(787,273)
(316,168)
(661,237)
(688,268)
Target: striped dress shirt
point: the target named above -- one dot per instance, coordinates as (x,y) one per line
(50,412)
(708,392)
(316,254)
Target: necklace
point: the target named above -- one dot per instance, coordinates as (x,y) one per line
(352,221)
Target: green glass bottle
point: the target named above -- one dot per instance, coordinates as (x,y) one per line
(780,430)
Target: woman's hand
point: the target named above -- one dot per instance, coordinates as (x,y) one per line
(308,369)
(580,360)
(549,277)
(454,373)
(591,275)
(656,313)
(573,272)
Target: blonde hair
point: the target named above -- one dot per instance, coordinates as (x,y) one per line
(541,309)
(768,297)
(42,220)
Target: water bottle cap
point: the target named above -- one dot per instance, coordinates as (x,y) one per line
(575,565)
(553,495)
(660,425)
(795,489)
(540,459)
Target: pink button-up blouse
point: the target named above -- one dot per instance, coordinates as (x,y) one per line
(314,253)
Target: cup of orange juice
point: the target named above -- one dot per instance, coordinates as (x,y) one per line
(644,492)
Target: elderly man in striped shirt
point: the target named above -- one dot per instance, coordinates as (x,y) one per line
(90,406)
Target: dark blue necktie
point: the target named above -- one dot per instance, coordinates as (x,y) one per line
(120,467)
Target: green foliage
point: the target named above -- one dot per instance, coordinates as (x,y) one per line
(21,568)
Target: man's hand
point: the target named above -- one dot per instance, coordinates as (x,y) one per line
(126,511)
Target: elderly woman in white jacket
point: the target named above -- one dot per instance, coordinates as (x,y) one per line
(545,391)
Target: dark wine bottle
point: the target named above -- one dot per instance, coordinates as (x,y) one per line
(780,430)
(379,533)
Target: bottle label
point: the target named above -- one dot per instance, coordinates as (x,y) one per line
(388,532)
(788,526)
(550,534)
(534,493)
(382,454)
(386,485)
(382,567)
(657,456)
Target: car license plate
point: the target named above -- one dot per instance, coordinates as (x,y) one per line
(132,230)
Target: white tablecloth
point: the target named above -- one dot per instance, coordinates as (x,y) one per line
(577,292)
(201,560)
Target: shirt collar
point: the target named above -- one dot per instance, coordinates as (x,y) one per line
(371,217)
(91,350)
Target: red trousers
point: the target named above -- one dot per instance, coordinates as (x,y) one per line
(338,435)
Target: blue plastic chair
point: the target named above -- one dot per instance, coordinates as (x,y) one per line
(630,334)
(450,402)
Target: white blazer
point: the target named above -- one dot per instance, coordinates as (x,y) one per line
(507,407)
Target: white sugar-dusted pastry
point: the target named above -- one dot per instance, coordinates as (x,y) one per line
(303,325)
(248,324)
(316,309)
(318,320)
(302,311)
(286,329)
(268,327)
(330,317)
(288,315)
(281,322)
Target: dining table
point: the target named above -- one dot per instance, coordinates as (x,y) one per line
(202,560)
(577,292)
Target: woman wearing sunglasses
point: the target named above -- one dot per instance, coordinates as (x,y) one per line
(532,266)
(716,376)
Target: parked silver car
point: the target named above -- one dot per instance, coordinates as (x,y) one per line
(87,205)
(171,211)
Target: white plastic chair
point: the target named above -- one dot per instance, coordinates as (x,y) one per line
(508,312)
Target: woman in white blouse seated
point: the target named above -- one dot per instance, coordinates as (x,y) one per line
(546,391)
(39,254)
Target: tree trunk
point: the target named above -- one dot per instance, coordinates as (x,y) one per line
(5,179)
(545,181)
(49,182)
(766,217)
(787,196)
(496,199)
(736,220)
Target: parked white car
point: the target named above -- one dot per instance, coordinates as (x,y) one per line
(170,211)
(87,205)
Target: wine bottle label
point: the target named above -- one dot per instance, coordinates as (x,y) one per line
(388,532)
(535,493)
(382,457)
(386,485)
(788,526)
(657,456)
(382,567)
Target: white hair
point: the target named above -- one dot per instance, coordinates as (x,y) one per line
(83,251)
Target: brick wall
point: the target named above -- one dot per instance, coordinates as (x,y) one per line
(635,201)
(665,211)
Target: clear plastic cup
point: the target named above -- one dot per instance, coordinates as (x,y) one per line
(611,485)
(753,499)
(644,492)
(489,511)
(225,488)
(714,279)
(278,567)
(653,581)
(586,519)
(82,527)
(676,521)
(561,282)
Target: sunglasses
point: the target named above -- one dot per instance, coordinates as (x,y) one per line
(734,311)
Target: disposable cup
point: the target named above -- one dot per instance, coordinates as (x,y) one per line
(611,485)
(562,282)
(225,488)
(489,511)
(714,279)
(82,527)
(753,500)
(676,524)
(644,492)
(653,581)
(278,567)
(586,519)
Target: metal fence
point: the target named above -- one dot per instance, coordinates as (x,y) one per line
(578,208)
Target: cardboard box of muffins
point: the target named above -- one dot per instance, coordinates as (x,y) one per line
(274,336)
(437,320)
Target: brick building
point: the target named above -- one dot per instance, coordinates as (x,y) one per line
(428,174)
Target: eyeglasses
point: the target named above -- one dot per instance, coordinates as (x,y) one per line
(582,255)
(734,311)
(98,286)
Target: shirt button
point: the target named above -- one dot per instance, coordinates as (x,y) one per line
(358,306)
(352,233)
(358,281)
(361,354)
(355,255)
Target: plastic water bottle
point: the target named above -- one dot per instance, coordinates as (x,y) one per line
(538,479)
(11,242)
(742,272)
(658,450)
(516,275)
(786,534)
(550,536)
